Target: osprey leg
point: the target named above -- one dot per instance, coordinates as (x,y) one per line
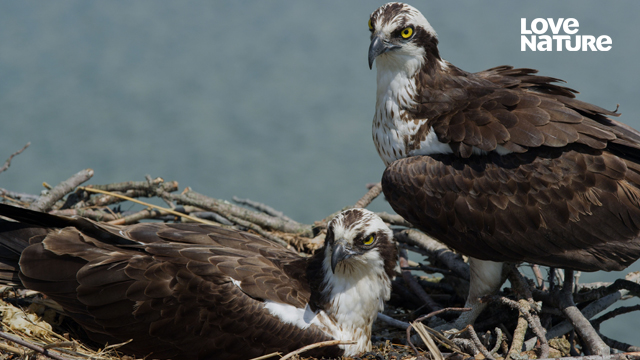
(486,279)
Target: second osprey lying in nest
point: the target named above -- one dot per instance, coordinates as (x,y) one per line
(187,291)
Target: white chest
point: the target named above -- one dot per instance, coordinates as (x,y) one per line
(394,98)
(394,131)
(356,299)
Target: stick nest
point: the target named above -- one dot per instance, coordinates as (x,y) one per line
(432,288)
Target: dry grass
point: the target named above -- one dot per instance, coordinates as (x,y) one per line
(38,321)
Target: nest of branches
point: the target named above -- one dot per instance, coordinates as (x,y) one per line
(537,317)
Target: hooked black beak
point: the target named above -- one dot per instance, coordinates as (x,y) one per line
(341,251)
(378,47)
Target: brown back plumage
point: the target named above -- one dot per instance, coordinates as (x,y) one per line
(167,286)
(511,108)
(572,207)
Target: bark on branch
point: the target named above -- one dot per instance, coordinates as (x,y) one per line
(45,202)
(227,209)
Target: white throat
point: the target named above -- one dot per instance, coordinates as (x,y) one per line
(357,293)
(396,89)
(392,132)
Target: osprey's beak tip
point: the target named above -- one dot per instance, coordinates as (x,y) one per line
(340,252)
(375,48)
(378,47)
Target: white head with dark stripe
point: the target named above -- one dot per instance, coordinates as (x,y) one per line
(358,240)
(401,38)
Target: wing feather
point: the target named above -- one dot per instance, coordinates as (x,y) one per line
(515,109)
(572,207)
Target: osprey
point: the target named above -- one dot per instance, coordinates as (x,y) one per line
(501,165)
(187,291)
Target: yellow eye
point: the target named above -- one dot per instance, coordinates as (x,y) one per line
(369,240)
(370,25)
(407,32)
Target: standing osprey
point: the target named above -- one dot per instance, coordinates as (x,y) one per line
(187,291)
(502,165)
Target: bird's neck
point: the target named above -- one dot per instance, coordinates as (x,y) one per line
(401,127)
(394,99)
(348,301)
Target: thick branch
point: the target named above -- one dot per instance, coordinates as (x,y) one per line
(479,345)
(518,338)
(136,185)
(394,219)
(373,193)
(582,326)
(613,313)
(588,312)
(45,202)
(393,322)
(435,249)
(521,285)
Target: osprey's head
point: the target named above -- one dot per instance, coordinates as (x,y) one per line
(401,38)
(359,241)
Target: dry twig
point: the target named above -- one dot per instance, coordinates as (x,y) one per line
(316,345)
(262,207)
(31,346)
(478,344)
(8,162)
(425,317)
(170,211)
(227,210)
(526,306)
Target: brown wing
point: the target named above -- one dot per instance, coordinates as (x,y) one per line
(169,287)
(574,207)
(514,109)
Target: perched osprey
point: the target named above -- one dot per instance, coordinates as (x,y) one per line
(187,291)
(502,165)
